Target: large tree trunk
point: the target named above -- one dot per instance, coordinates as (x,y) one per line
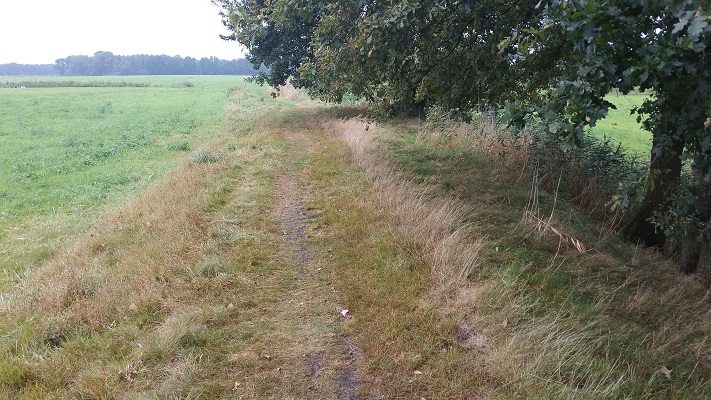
(690,252)
(703,268)
(703,207)
(693,245)
(696,249)
(664,172)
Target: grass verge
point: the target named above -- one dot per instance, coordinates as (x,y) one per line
(158,298)
(586,318)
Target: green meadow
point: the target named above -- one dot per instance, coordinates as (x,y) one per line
(67,151)
(623,127)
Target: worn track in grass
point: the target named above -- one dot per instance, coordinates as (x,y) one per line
(329,357)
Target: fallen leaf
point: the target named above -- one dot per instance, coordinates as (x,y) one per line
(505,323)
(666,371)
(230,305)
(236,386)
(417,372)
(578,245)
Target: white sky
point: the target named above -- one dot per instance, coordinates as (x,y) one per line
(41,31)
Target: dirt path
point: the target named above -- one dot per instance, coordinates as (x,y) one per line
(230,279)
(329,357)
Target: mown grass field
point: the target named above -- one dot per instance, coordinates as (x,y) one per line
(70,148)
(68,151)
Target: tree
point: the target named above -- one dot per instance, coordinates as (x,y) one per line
(649,45)
(554,58)
(277,34)
(103,63)
(398,55)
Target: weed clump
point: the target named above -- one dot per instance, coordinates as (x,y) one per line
(185,84)
(55,336)
(179,146)
(208,157)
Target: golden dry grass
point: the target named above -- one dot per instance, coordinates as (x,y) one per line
(435,226)
(556,313)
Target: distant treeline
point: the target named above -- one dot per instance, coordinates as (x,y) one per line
(105,63)
(14,69)
(82,83)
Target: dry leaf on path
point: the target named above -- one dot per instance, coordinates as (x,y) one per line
(666,371)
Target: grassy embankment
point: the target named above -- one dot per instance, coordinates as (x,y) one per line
(557,305)
(188,290)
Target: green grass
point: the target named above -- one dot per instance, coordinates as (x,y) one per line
(67,151)
(113,334)
(190,280)
(623,127)
(71,148)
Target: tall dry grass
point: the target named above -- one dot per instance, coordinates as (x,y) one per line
(645,319)
(131,251)
(289,93)
(434,225)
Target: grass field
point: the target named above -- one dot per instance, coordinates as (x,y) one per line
(69,148)
(623,127)
(68,151)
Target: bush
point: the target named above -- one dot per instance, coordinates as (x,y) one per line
(599,175)
(58,84)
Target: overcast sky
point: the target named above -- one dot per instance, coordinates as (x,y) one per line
(41,31)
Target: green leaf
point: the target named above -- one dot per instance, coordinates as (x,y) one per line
(697,26)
